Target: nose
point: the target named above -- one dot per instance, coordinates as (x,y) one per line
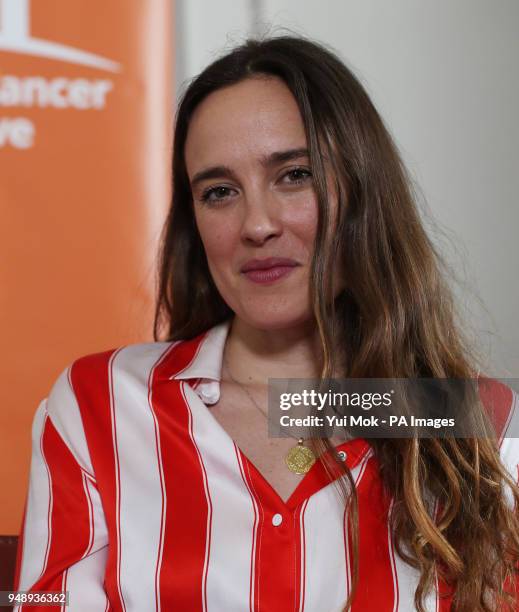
(261,218)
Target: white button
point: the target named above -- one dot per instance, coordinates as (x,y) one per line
(342,455)
(277,519)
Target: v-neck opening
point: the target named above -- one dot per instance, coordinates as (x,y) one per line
(293,501)
(297,496)
(356,449)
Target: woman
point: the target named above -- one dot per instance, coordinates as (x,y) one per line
(293,249)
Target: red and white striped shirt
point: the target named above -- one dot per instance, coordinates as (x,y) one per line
(139,500)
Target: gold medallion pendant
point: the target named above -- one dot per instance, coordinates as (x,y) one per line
(300,458)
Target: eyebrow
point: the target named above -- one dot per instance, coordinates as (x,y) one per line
(277,157)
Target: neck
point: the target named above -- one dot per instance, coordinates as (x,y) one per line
(254,355)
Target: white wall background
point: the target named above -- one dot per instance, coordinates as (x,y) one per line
(443,74)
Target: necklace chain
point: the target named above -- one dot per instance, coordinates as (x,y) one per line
(299,458)
(244,388)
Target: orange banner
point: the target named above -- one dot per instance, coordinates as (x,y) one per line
(85,126)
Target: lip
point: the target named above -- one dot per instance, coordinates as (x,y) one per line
(269,275)
(268,263)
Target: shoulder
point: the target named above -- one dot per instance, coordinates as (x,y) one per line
(90,373)
(86,384)
(80,401)
(92,379)
(502,405)
(123,357)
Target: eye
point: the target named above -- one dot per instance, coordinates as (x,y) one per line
(216,194)
(297,176)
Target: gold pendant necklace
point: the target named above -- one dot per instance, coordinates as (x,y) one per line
(300,458)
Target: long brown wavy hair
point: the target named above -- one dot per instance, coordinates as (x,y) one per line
(395,318)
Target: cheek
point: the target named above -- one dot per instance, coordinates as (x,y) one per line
(300,222)
(218,238)
(304,220)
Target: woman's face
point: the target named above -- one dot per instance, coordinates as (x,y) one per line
(253,199)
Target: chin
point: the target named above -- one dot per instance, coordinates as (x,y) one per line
(274,319)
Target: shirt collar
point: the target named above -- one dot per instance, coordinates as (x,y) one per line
(206,365)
